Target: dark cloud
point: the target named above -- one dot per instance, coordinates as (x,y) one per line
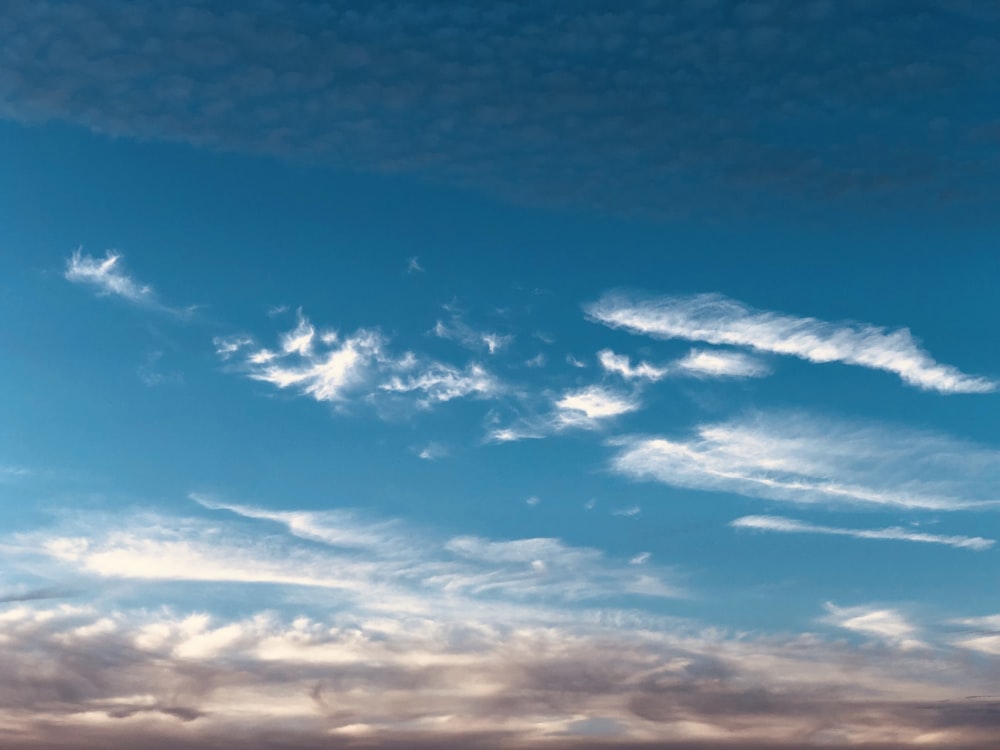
(646,107)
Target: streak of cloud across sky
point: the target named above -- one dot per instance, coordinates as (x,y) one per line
(499,375)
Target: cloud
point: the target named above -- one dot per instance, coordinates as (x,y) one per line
(395,565)
(619,364)
(721,364)
(984,637)
(330,367)
(413,265)
(443,383)
(599,110)
(432,451)
(590,407)
(885,624)
(894,533)
(800,458)
(461,332)
(697,363)
(109,279)
(87,678)
(715,319)
(379,631)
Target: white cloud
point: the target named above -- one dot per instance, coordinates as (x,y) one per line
(721,364)
(985,637)
(443,383)
(885,624)
(894,533)
(800,458)
(461,332)
(432,451)
(413,265)
(328,366)
(326,376)
(697,363)
(715,319)
(107,276)
(620,364)
(376,566)
(589,407)
(227,346)
(630,512)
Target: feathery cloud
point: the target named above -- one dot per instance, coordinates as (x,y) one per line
(331,367)
(806,459)
(893,533)
(715,319)
(107,276)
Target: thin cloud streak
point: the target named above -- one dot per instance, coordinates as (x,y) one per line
(894,533)
(715,319)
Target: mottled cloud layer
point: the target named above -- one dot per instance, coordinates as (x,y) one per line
(644,108)
(802,458)
(715,319)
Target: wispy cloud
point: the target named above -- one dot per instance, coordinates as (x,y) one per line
(697,363)
(591,406)
(379,566)
(331,367)
(807,459)
(109,278)
(457,330)
(982,634)
(893,533)
(413,265)
(715,319)
(621,364)
(883,623)
(441,382)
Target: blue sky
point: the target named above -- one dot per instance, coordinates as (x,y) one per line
(395,375)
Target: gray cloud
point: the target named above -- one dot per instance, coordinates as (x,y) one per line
(641,108)
(120,677)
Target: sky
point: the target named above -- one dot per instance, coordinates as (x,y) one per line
(572,376)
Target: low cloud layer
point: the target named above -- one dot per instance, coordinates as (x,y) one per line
(715,319)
